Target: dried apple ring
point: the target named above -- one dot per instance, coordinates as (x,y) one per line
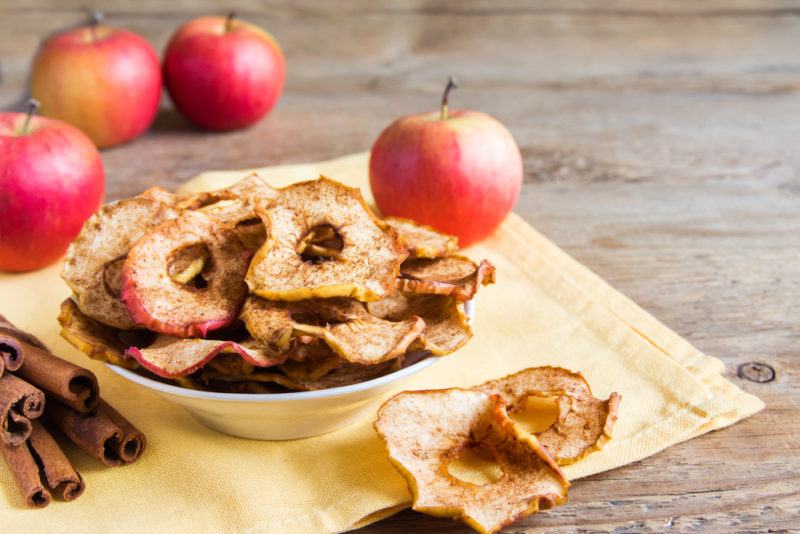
(425,431)
(94,339)
(344,324)
(446,325)
(583,424)
(234,207)
(457,276)
(94,260)
(347,374)
(366,267)
(164,305)
(159,194)
(171,357)
(421,240)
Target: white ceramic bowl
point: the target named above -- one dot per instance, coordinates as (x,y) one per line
(280,416)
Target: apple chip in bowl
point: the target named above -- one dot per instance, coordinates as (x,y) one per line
(254,295)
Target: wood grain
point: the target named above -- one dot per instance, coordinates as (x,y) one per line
(661,150)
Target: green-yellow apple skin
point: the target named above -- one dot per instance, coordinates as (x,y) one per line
(461,174)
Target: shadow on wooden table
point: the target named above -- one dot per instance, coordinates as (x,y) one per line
(170,120)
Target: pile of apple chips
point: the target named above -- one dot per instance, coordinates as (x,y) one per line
(255,289)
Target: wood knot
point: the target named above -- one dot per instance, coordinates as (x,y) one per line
(756,372)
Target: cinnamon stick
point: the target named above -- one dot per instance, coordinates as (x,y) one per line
(10,353)
(26,474)
(94,432)
(133,440)
(19,403)
(74,386)
(61,477)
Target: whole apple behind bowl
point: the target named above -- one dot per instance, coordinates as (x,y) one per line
(104,81)
(459,171)
(223,73)
(51,180)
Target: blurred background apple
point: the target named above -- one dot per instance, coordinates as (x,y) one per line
(459,171)
(52,179)
(105,81)
(223,73)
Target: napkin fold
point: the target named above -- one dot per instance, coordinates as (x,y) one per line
(546,309)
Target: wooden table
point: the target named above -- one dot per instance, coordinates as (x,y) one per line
(662,149)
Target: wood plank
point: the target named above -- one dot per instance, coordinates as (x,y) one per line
(660,145)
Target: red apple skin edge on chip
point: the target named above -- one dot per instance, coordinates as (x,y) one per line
(459,171)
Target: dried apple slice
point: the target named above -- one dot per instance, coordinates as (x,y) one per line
(313,369)
(344,324)
(423,241)
(234,206)
(446,325)
(96,340)
(252,186)
(425,431)
(347,374)
(95,258)
(366,267)
(171,357)
(155,300)
(583,424)
(457,276)
(307,349)
(159,194)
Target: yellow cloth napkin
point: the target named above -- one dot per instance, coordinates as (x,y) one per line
(546,308)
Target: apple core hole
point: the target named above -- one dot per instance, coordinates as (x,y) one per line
(251,232)
(321,243)
(476,465)
(112,272)
(189,265)
(536,414)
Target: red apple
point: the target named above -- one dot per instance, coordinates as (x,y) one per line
(51,179)
(104,81)
(223,73)
(458,171)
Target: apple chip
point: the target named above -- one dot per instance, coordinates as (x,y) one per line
(159,194)
(171,357)
(423,241)
(251,187)
(96,340)
(234,206)
(313,369)
(425,432)
(457,276)
(94,260)
(365,269)
(446,325)
(345,375)
(154,299)
(583,424)
(344,324)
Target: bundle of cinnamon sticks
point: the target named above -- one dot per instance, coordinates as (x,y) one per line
(41,393)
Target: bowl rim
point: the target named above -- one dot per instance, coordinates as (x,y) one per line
(469,311)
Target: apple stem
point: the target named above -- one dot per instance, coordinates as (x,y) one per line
(452,83)
(30,111)
(97,18)
(229,21)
